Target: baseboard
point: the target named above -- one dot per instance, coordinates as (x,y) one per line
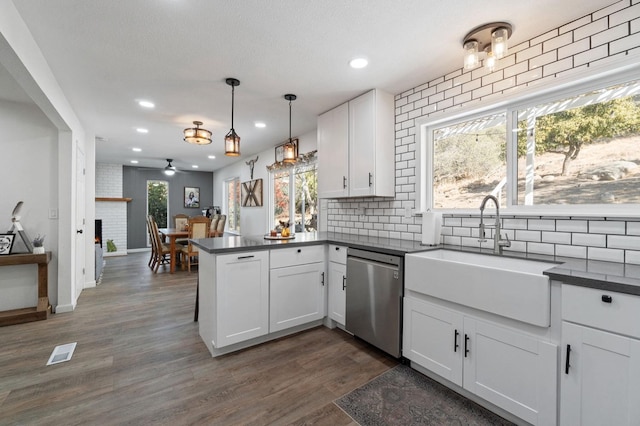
(115,253)
(90,284)
(139,250)
(64,308)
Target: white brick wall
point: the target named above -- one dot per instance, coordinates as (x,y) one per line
(604,35)
(112,213)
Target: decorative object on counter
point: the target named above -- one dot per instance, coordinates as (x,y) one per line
(111,246)
(252,193)
(6,243)
(431,228)
(279,237)
(492,38)
(232,140)
(289,148)
(251,163)
(197,135)
(169,170)
(192,197)
(38,242)
(404,396)
(16,227)
(306,158)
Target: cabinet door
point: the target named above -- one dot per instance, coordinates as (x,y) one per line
(512,370)
(337,294)
(297,296)
(601,385)
(333,153)
(362,144)
(242,298)
(433,338)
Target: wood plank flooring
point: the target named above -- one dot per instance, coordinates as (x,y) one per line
(140,360)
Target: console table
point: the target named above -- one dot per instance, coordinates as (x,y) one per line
(43,308)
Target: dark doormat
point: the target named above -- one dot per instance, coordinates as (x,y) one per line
(402,396)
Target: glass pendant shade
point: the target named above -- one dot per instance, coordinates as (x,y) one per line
(232,144)
(490,61)
(197,135)
(471,54)
(289,152)
(499,42)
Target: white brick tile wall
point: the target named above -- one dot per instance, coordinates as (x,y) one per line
(602,37)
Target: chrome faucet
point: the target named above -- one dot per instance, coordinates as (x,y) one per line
(498,242)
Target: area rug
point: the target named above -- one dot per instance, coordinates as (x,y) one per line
(402,396)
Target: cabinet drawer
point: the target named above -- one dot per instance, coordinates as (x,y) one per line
(293,256)
(337,254)
(606,310)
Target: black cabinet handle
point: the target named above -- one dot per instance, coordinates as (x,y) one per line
(566,361)
(78,231)
(299,250)
(337,248)
(466,345)
(344,282)
(344,182)
(607,298)
(455,340)
(245,257)
(370,179)
(322,279)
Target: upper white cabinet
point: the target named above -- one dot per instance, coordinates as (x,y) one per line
(356,148)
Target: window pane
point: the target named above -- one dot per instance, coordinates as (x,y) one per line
(469,162)
(306,213)
(280,199)
(233,204)
(581,150)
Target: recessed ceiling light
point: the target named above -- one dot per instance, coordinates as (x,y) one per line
(358,63)
(260,125)
(146,104)
(134,161)
(195,166)
(141,130)
(212,157)
(136,149)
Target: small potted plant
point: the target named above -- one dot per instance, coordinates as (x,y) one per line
(38,242)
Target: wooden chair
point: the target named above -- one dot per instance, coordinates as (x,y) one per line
(180,222)
(220,226)
(198,228)
(214,224)
(161,251)
(153,248)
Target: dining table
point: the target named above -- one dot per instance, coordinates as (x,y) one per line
(172,234)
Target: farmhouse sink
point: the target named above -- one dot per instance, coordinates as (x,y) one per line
(510,287)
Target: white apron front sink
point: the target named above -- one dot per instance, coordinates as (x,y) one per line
(509,287)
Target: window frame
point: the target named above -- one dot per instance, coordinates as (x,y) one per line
(511,105)
(292,194)
(225,205)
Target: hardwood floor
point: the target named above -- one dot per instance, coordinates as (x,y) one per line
(140,360)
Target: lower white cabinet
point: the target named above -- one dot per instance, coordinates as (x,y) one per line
(297,295)
(508,368)
(337,283)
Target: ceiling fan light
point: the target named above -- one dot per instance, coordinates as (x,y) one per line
(169,170)
(197,135)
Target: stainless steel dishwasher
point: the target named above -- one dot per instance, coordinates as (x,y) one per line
(374,298)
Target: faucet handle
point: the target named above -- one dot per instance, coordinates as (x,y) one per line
(481,234)
(505,243)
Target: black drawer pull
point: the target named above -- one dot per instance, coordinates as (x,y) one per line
(299,250)
(455,340)
(566,361)
(245,257)
(344,282)
(466,345)
(606,298)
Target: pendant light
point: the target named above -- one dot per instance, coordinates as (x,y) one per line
(289,148)
(197,135)
(232,140)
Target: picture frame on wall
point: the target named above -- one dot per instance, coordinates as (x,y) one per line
(191,197)
(6,243)
(280,150)
(252,193)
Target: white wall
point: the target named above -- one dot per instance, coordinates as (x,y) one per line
(29,144)
(113,213)
(255,220)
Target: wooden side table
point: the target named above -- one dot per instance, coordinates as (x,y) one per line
(43,308)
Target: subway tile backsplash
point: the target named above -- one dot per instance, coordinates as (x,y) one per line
(593,41)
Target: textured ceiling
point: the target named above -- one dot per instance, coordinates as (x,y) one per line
(107,55)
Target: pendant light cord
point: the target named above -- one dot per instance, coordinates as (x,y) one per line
(289,121)
(233,90)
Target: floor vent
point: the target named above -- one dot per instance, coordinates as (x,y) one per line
(62,353)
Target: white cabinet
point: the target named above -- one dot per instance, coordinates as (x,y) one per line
(234,297)
(337,283)
(297,293)
(600,368)
(356,148)
(504,366)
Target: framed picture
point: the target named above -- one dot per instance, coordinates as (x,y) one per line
(192,197)
(280,150)
(6,242)
(252,193)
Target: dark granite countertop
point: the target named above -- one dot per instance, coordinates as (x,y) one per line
(607,276)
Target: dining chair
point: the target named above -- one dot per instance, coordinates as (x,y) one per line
(151,240)
(198,228)
(214,224)
(220,226)
(162,251)
(180,222)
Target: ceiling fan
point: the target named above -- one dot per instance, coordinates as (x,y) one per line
(170,169)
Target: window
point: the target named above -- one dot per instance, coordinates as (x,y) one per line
(232,204)
(157,202)
(295,195)
(575,149)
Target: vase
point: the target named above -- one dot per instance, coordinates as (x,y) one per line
(38,250)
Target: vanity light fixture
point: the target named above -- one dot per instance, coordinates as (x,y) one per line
(493,39)
(232,140)
(169,170)
(197,135)
(289,148)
